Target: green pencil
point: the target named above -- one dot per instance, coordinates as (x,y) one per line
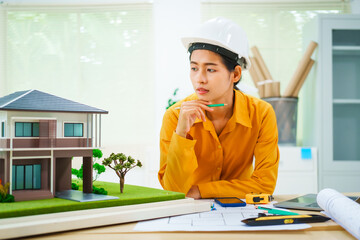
(217,105)
(212,105)
(276,211)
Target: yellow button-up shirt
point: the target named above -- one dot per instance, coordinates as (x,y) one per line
(222,166)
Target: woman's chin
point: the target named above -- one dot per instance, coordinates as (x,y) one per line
(200,97)
(203,96)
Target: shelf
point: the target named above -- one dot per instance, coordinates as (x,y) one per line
(346,50)
(346,101)
(346,133)
(347,37)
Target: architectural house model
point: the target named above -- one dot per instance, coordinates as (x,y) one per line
(39,135)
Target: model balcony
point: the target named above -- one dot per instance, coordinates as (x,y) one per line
(45,143)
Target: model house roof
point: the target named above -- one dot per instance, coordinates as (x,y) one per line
(34,100)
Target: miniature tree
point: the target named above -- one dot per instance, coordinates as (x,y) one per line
(121,165)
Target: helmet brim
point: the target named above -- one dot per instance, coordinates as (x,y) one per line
(187,41)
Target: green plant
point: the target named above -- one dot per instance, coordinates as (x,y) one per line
(4,196)
(74,186)
(8,198)
(97,190)
(171,101)
(78,172)
(98,168)
(121,164)
(97,153)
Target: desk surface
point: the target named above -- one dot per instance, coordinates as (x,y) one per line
(328,230)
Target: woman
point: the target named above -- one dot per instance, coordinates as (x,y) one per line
(208,152)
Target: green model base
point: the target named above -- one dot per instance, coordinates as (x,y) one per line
(132,195)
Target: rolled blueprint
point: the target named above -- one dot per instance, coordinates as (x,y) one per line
(341,209)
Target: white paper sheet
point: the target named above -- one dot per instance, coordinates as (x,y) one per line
(221,219)
(341,209)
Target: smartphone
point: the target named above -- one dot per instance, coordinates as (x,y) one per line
(230,202)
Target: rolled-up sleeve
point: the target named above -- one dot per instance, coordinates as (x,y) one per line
(177,157)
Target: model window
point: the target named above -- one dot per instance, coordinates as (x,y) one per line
(2,129)
(73,129)
(26,129)
(26,177)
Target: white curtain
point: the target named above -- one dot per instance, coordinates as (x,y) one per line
(98,56)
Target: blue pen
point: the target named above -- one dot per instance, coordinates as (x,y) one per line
(213,207)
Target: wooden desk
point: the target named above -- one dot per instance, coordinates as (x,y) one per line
(327,231)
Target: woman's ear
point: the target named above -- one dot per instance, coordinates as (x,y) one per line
(237,74)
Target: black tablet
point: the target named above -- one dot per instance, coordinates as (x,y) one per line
(305,202)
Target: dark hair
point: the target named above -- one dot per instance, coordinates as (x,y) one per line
(230,65)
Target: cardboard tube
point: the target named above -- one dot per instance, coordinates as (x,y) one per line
(275,89)
(261,63)
(290,89)
(271,88)
(257,70)
(303,77)
(261,88)
(259,76)
(253,74)
(268,89)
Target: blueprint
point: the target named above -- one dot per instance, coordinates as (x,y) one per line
(219,219)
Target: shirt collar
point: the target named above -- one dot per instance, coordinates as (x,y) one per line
(240,110)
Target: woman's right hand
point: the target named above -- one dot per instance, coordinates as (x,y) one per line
(189,111)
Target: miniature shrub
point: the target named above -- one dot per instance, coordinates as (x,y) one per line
(4,196)
(98,169)
(97,153)
(101,191)
(74,186)
(8,198)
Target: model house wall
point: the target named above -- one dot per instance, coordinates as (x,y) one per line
(3,116)
(81,122)
(61,118)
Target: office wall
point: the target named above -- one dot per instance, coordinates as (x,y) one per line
(355,6)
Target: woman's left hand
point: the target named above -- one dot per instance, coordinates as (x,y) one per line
(194,192)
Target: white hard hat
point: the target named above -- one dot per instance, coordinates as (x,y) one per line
(224,33)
